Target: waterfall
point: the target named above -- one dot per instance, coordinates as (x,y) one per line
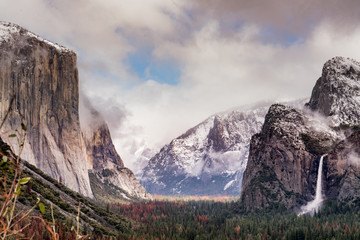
(318,194)
(315,204)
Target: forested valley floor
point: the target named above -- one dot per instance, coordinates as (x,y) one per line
(224,220)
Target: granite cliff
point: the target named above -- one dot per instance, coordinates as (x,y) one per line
(108,170)
(336,94)
(343,169)
(43,77)
(284,156)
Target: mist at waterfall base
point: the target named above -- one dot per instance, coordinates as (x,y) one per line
(314,205)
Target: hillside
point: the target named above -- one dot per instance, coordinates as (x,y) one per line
(65,201)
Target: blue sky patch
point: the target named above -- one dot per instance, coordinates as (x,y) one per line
(142,63)
(271,35)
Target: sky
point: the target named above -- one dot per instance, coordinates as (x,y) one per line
(155,68)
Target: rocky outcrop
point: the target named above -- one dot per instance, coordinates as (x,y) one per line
(337,92)
(107,166)
(100,149)
(208,159)
(44,79)
(283,159)
(343,169)
(284,156)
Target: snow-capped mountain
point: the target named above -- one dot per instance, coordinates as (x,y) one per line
(206,160)
(337,92)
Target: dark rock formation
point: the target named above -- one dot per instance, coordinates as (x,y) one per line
(283,158)
(343,169)
(99,146)
(107,166)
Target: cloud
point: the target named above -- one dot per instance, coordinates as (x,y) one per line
(295,17)
(220,72)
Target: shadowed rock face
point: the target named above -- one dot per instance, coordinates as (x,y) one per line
(107,166)
(44,78)
(343,169)
(100,149)
(284,156)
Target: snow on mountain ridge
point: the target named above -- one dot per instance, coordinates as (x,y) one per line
(337,92)
(212,153)
(8,30)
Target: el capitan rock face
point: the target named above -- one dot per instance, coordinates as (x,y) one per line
(284,156)
(44,79)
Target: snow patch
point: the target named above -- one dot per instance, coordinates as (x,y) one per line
(9,30)
(196,153)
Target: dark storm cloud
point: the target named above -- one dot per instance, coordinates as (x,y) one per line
(297,17)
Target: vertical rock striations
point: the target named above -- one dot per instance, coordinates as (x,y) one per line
(44,78)
(283,159)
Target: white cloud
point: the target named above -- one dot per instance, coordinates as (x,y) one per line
(220,72)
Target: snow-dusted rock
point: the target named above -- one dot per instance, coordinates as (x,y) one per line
(337,92)
(208,159)
(284,156)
